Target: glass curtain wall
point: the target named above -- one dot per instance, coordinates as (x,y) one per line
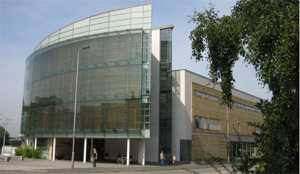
(165,120)
(114,86)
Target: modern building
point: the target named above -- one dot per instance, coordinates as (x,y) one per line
(199,120)
(112,74)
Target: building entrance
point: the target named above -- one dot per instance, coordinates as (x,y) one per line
(107,149)
(185,150)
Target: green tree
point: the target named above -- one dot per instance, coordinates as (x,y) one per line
(7,137)
(266,34)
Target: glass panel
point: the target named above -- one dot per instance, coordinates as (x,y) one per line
(99,26)
(214,124)
(147,13)
(197,122)
(127,10)
(203,123)
(81,30)
(65,38)
(100,15)
(99,31)
(165,95)
(147,7)
(139,26)
(119,28)
(185,150)
(67,28)
(119,17)
(147,20)
(99,20)
(54,34)
(137,21)
(82,23)
(135,9)
(65,34)
(137,15)
(147,26)
(119,23)
(45,42)
(53,38)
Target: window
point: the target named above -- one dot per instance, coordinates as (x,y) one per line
(197,122)
(206,123)
(211,97)
(258,130)
(214,124)
(203,123)
(237,149)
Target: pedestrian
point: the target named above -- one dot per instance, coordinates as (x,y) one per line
(170,159)
(95,157)
(162,158)
(174,159)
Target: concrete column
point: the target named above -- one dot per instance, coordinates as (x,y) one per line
(128,151)
(50,149)
(35,143)
(84,150)
(53,149)
(143,151)
(141,157)
(140,153)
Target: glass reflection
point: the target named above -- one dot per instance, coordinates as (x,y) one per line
(109,88)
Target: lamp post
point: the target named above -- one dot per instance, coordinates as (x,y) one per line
(75,103)
(227,134)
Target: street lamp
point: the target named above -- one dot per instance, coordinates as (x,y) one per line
(227,120)
(75,103)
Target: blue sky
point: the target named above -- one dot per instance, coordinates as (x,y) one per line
(24,23)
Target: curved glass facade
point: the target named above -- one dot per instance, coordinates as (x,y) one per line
(135,17)
(114,80)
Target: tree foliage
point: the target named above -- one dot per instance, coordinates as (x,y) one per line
(7,137)
(266,34)
(217,36)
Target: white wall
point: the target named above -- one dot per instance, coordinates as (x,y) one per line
(181,120)
(152,150)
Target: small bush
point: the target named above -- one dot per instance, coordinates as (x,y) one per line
(199,159)
(36,153)
(28,152)
(210,159)
(18,151)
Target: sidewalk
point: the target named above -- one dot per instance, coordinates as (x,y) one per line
(62,166)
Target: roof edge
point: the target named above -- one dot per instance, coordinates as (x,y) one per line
(163,27)
(235,89)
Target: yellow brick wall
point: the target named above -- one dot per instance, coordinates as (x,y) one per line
(238,118)
(205,146)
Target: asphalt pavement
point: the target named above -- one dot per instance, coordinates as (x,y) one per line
(62,166)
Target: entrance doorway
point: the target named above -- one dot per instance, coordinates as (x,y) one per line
(185,150)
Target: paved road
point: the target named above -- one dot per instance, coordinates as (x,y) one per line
(61,166)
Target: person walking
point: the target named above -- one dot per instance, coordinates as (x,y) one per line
(161,156)
(95,155)
(170,159)
(174,159)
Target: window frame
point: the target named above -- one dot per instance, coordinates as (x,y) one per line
(205,126)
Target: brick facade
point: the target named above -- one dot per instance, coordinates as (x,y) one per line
(213,142)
